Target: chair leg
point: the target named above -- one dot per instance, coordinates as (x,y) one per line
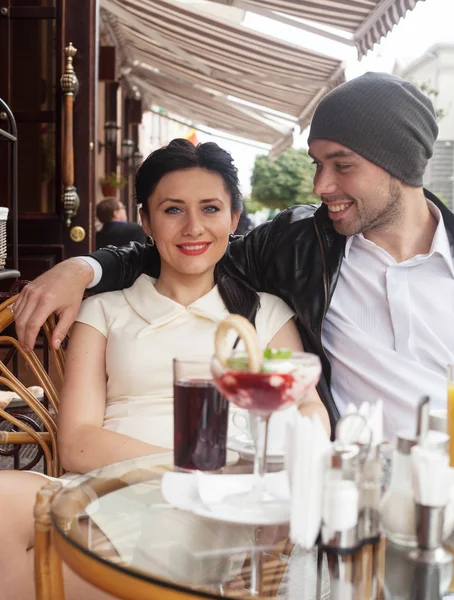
(48,569)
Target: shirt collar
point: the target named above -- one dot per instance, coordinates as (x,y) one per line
(158,310)
(348,244)
(440,243)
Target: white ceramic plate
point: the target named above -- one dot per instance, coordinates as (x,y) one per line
(245,448)
(181,491)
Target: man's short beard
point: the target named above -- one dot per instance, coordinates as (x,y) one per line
(392,213)
(379,219)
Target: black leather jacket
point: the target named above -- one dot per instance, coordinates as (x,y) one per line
(297,256)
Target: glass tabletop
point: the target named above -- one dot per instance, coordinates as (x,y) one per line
(118,515)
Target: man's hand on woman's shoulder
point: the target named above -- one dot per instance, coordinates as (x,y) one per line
(58,291)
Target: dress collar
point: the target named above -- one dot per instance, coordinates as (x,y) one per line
(158,310)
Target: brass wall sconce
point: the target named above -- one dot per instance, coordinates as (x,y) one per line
(130,154)
(110,136)
(127,149)
(137,159)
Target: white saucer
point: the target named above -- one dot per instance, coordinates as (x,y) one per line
(181,491)
(245,448)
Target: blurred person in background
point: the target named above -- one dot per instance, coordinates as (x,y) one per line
(116,231)
(244,224)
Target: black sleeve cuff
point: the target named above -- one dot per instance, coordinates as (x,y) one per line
(112,267)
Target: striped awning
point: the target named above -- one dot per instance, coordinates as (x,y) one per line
(214,111)
(217,72)
(367,20)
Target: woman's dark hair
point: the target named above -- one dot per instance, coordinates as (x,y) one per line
(179,155)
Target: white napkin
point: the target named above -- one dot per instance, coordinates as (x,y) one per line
(431,477)
(211,495)
(214,488)
(308,446)
(360,430)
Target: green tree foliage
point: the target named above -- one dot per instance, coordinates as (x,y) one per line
(252,206)
(283,182)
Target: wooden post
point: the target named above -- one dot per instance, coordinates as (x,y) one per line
(48,571)
(69,84)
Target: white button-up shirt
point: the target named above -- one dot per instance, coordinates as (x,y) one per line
(389,331)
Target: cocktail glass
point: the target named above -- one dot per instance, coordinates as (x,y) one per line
(285,382)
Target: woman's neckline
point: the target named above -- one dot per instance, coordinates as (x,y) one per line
(187,294)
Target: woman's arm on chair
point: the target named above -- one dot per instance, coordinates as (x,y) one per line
(83,443)
(288,337)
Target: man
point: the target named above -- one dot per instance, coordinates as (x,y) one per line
(116,230)
(369,273)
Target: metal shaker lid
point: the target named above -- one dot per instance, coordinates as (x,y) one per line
(434,440)
(405,440)
(343,456)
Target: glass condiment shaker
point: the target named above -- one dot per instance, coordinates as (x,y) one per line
(341,498)
(397,506)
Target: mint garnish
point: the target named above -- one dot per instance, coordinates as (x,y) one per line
(277,354)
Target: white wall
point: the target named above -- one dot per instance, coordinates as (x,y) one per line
(436,69)
(445,99)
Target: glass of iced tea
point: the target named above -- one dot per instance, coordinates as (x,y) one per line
(200,417)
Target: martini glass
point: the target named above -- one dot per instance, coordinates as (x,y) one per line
(281,383)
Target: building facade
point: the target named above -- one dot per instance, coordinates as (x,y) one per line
(434,73)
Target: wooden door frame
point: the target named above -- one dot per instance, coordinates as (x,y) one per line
(76,22)
(76,25)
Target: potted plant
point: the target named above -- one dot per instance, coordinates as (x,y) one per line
(111,183)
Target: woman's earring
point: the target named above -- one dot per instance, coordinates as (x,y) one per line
(231,236)
(150,240)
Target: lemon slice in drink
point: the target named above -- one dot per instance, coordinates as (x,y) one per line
(245,330)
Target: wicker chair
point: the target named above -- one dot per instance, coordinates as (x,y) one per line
(26,434)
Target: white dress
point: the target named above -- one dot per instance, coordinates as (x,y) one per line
(145,331)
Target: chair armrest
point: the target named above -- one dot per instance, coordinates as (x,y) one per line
(20,437)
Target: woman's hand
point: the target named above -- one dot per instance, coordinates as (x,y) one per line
(58,291)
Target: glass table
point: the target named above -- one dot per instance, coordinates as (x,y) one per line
(114,528)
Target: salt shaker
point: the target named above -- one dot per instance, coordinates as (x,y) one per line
(397,506)
(341,498)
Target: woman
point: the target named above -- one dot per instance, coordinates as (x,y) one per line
(116,401)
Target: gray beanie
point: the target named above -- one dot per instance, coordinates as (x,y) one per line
(384,119)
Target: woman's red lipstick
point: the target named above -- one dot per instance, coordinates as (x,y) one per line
(194,249)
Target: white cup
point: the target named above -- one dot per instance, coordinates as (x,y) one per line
(438,420)
(277,427)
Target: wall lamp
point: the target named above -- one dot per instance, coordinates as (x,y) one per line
(110,135)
